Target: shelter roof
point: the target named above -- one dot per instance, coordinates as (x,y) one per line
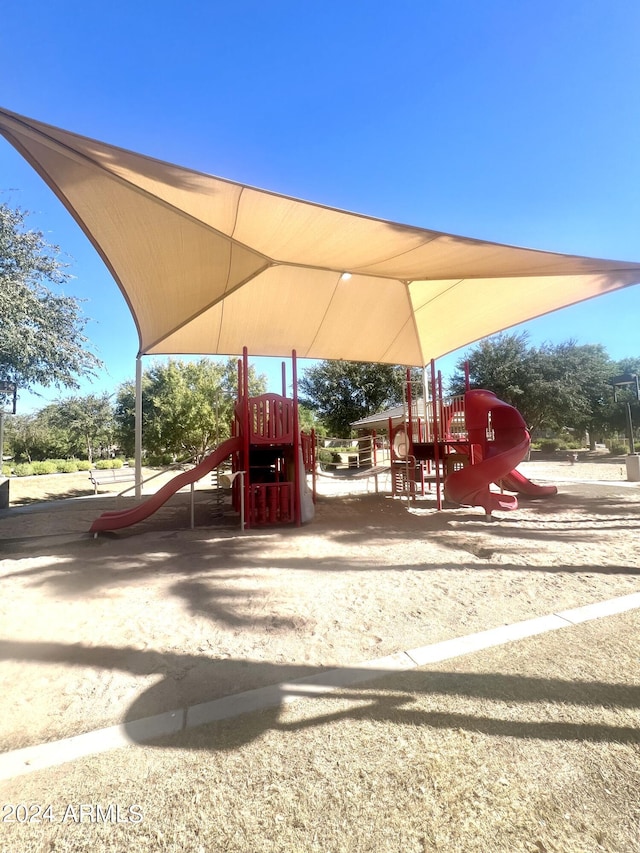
(208,265)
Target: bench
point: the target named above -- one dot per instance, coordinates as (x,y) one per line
(103,476)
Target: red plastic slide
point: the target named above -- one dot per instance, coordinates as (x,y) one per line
(508,447)
(114,519)
(517,482)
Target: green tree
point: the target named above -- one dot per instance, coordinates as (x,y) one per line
(341,392)
(31,437)
(554,386)
(87,424)
(502,364)
(308,421)
(581,379)
(187,407)
(625,396)
(42,340)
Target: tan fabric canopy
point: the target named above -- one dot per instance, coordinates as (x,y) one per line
(208,266)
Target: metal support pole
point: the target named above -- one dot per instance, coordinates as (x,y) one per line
(632,449)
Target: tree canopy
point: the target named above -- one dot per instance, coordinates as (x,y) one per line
(554,386)
(86,422)
(42,340)
(187,407)
(75,427)
(341,392)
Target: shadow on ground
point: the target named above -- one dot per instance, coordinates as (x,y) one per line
(386,695)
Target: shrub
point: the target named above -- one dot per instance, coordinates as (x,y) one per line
(23,469)
(83,464)
(67,466)
(324,458)
(6,470)
(618,448)
(550,445)
(46,467)
(102,464)
(159,460)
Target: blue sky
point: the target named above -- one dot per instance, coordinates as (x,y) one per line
(512,122)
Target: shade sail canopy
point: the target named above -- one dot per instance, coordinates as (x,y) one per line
(208,266)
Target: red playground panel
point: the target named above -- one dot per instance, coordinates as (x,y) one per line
(463,446)
(267,451)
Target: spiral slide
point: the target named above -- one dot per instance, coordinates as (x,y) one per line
(470,486)
(517,482)
(115,519)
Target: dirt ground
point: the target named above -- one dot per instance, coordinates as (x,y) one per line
(160,616)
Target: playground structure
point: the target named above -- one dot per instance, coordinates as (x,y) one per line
(274,457)
(270,460)
(461,446)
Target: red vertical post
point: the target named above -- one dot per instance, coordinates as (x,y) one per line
(246,426)
(441,408)
(409,406)
(467,387)
(297,509)
(236,430)
(436,433)
(284,379)
(410,475)
(422,464)
(393,479)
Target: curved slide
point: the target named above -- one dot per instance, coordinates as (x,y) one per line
(470,486)
(114,519)
(517,482)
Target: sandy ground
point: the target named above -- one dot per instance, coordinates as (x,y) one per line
(529,746)
(161,616)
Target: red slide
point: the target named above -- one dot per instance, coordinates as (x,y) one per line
(517,482)
(470,486)
(114,519)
